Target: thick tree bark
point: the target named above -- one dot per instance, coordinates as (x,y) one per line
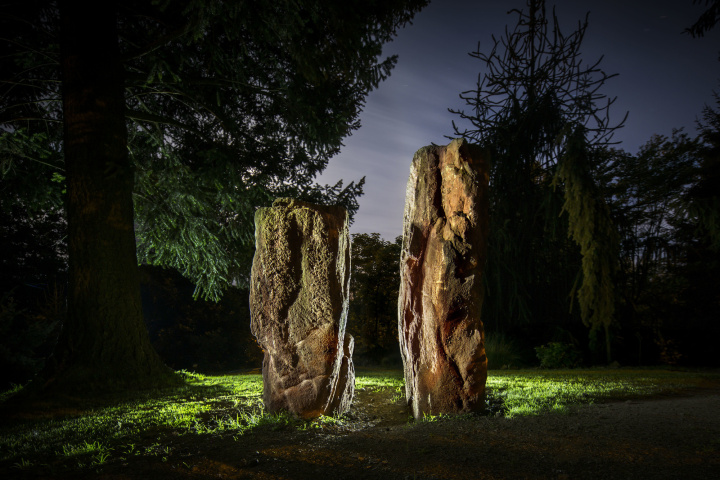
(104,343)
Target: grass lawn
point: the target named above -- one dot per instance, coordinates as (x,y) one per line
(153,424)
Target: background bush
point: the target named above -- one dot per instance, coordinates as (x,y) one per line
(558,355)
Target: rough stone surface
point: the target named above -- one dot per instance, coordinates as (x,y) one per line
(298,305)
(443,255)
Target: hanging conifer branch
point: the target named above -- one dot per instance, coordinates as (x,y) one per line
(592,229)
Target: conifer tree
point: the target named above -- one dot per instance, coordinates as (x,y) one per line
(707,20)
(196,110)
(539,110)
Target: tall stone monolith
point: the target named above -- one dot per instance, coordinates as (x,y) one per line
(441,265)
(299,288)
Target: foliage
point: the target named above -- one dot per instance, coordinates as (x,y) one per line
(501,351)
(703,199)
(539,110)
(592,229)
(33,246)
(664,204)
(228,105)
(33,265)
(32,222)
(26,338)
(374,285)
(707,20)
(248,124)
(31,160)
(198,335)
(558,355)
(648,191)
(31,170)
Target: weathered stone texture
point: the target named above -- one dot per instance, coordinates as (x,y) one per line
(443,255)
(298,304)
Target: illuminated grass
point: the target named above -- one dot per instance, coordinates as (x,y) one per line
(159,424)
(533,392)
(374,379)
(205,405)
(380,380)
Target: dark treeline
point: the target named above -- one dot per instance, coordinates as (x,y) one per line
(662,200)
(605,255)
(374,284)
(596,253)
(663,205)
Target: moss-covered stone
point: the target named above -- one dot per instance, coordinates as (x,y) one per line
(298,301)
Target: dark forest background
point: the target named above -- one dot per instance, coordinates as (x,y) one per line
(578,226)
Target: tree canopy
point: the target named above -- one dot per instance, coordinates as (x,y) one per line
(228,105)
(190,113)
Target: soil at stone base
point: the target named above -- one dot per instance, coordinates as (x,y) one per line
(673,437)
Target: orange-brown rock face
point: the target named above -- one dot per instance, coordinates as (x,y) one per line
(298,305)
(443,255)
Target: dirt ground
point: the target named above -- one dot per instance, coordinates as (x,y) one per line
(674,437)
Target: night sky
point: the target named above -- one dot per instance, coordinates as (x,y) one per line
(665,79)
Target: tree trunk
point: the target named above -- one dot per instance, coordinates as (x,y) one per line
(104,344)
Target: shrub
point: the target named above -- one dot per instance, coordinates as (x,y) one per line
(558,355)
(26,337)
(501,351)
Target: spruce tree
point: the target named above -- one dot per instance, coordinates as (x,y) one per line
(539,110)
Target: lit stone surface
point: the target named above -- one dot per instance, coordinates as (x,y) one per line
(441,265)
(298,303)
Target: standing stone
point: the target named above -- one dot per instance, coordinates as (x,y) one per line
(298,305)
(443,255)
